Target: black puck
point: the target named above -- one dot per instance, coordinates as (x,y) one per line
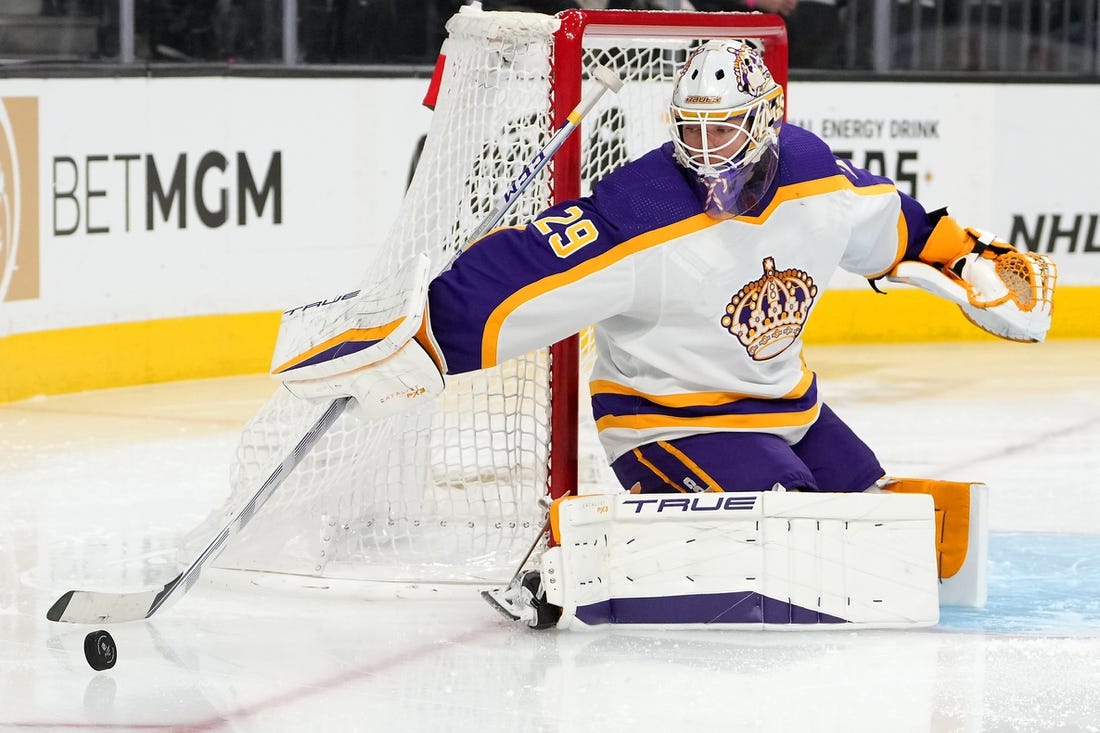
(100,650)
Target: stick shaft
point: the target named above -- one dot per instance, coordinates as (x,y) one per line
(78,606)
(244,516)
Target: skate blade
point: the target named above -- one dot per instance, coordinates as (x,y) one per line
(496,599)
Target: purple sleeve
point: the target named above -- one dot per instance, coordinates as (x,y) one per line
(919,223)
(523,262)
(462,300)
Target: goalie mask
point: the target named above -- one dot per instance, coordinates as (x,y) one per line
(725,115)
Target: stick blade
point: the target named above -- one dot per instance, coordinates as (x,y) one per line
(57,610)
(93,607)
(608,78)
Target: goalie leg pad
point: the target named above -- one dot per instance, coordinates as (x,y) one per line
(758,560)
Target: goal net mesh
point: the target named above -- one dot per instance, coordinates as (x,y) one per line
(449,493)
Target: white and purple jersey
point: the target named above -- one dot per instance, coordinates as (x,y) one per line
(698,321)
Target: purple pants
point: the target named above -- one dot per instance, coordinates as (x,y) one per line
(830,457)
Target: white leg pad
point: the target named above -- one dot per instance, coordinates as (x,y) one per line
(757,560)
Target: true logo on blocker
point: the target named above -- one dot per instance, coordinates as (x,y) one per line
(19,256)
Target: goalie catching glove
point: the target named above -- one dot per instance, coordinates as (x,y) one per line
(361,345)
(1001,290)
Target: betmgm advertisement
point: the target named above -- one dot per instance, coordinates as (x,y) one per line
(19,247)
(153,229)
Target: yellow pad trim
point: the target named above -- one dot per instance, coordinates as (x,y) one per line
(947,243)
(375,333)
(555,519)
(952,500)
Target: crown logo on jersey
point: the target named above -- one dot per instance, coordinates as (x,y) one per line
(767,315)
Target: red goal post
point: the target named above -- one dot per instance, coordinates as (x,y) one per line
(569,45)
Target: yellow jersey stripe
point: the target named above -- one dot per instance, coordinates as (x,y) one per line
(710,422)
(903,244)
(651,467)
(693,466)
(653,238)
(817,187)
(695,399)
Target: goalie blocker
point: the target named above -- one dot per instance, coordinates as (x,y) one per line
(772,560)
(361,345)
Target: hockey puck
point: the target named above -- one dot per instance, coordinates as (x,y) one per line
(100,650)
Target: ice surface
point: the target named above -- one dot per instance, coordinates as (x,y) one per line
(97,488)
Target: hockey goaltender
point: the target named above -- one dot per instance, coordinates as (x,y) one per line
(745,499)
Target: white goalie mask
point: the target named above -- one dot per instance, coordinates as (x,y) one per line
(725,115)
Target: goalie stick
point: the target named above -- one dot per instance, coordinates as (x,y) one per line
(92,607)
(95,607)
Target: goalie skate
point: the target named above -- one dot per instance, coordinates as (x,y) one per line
(525,601)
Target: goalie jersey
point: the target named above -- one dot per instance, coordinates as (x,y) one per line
(697,321)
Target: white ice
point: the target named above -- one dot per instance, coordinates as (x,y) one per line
(96,489)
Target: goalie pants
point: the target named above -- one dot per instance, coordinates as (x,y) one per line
(830,457)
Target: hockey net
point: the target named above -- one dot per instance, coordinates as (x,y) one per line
(450,493)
